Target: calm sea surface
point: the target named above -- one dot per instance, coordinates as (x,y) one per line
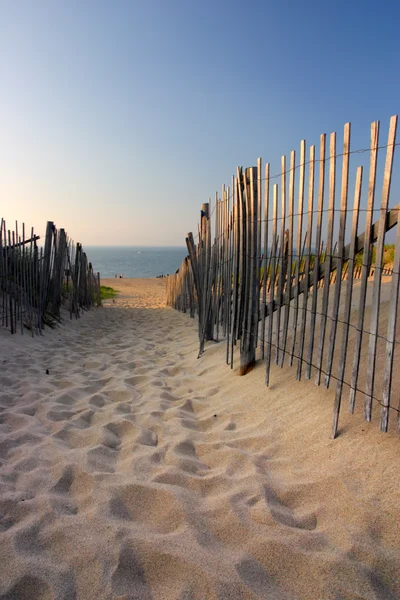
(135,261)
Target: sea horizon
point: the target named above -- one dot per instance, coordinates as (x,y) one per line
(135,261)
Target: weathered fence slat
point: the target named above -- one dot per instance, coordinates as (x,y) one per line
(391,336)
(328,255)
(366,261)
(376,294)
(347,307)
(307,262)
(272,288)
(289,258)
(281,267)
(266,255)
(258,258)
(236,257)
(340,249)
(248,347)
(299,244)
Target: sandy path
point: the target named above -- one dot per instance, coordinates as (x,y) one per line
(134,470)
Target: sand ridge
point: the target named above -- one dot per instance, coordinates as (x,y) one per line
(135,470)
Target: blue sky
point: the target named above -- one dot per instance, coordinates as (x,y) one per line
(118,119)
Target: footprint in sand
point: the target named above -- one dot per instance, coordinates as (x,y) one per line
(110,439)
(28,587)
(28,540)
(256,578)
(64,483)
(129,575)
(98,401)
(287,516)
(124,429)
(117,509)
(155,505)
(29,410)
(84,420)
(157,382)
(137,380)
(122,395)
(230,427)
(124,409)
(102,458)
(148,438)
(60,415)
(65,400)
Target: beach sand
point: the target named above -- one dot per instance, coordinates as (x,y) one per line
(135,470)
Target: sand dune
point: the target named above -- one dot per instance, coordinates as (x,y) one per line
(133,470)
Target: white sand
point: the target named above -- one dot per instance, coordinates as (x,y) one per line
(135,470)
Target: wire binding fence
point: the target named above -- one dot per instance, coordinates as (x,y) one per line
(302,283)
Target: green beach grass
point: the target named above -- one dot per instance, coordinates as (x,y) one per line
(107,292)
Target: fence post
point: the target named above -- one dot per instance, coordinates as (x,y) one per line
(248,345)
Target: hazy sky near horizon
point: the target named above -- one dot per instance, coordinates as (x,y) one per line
(118,119)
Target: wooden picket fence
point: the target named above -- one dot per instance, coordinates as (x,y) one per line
(267,282)
(36,282)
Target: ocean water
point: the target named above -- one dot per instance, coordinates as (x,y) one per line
(135,261)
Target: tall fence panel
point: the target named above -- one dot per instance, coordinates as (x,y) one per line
(297,282)
(37,281)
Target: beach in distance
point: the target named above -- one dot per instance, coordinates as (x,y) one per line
(135,261)
(131,469)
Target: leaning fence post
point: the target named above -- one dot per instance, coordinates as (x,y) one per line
(248,346)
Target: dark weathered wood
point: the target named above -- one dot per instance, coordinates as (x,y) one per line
(307,262)
(217,294)
(195,271)
(247,268)
(289,258)
(21,243)
(12,288)
(282,257)
(272,288)
(244,252)
(31,279)
(236,263)
(248,347)
(36,294)
(347,307)
(2,275)
(45,267)
(258,258)
(266,254)
(23,284)
(30,264)
(207,272)
(228,275)
(298,254)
